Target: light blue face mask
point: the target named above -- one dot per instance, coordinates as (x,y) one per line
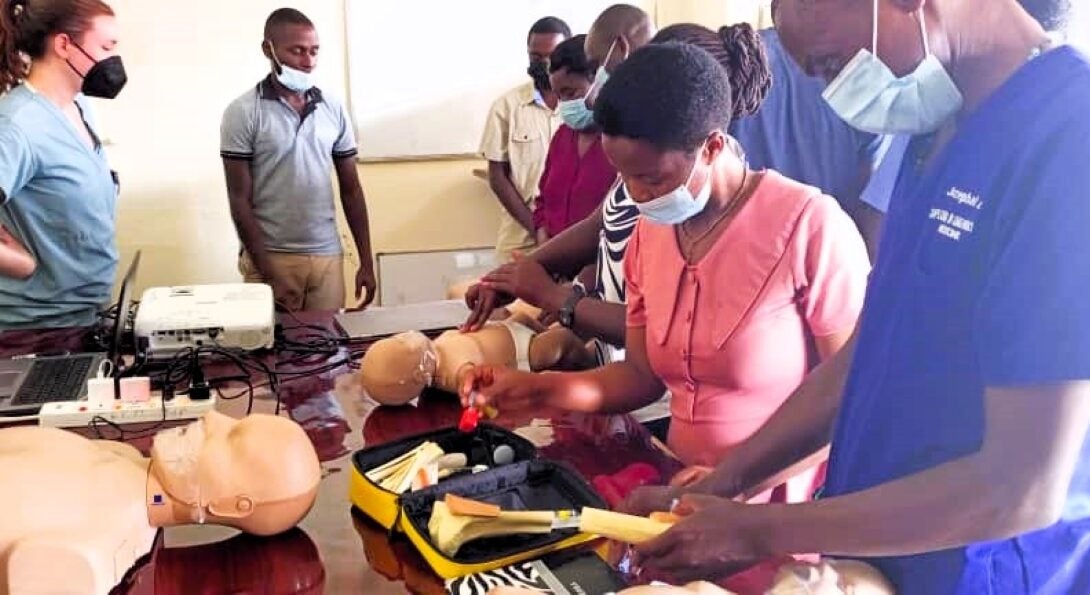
(868,96)
(602,77)
(677,206)
(576,114)
(294,80)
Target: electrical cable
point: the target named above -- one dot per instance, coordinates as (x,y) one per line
(311,350)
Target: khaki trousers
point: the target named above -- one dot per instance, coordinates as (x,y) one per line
(317,280)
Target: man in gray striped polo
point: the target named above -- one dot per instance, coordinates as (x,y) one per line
(279,142)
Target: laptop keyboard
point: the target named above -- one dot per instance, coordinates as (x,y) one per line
(51,380)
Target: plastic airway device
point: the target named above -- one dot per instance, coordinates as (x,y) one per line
(470,418)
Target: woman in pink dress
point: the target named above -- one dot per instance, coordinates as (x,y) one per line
(739,281)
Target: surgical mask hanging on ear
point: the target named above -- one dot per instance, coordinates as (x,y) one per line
(868,96)
(602,76)
(677,206)
(295,80)
(105,79)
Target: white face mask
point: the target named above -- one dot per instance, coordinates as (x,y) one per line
(677,206)
(868,96)
(295,80)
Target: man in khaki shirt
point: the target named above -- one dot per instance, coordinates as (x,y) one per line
(516,140)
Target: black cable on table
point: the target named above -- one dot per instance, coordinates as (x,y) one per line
(310,343)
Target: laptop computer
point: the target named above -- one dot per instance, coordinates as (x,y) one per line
(28,383)
(379,322)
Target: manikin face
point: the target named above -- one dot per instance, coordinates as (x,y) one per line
(223,468)
(396,370)
(193,457)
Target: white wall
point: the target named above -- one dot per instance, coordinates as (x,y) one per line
(714,14)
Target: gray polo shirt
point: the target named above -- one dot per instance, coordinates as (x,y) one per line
(291,158)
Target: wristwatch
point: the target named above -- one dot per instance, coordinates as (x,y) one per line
(566,315)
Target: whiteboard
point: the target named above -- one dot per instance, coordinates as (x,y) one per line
(423,74)
(418,277)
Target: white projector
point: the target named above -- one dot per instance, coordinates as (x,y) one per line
(231,316)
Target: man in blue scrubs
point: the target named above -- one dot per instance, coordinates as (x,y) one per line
(796,133)
(958,462)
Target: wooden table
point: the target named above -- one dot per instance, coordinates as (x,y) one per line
(335,550)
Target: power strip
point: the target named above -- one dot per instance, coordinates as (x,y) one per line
(71,414)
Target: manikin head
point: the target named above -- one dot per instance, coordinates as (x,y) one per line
(396,370)
(259,474)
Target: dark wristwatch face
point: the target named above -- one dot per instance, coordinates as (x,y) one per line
(565,316)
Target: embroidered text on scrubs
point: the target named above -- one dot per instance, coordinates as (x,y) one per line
(965,198)
(951,225)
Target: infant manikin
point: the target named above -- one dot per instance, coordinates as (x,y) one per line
(93,507)
(396,370)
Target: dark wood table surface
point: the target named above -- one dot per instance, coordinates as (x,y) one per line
(334,550)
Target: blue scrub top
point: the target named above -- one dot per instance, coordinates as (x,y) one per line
(982,280)
(796,133)
(61,199)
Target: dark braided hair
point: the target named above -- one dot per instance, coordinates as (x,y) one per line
(738,49)
(26,26)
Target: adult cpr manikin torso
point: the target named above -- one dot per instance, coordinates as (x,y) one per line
(73,517)
(77,514)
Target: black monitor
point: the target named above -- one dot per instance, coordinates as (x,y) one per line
(124,302)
